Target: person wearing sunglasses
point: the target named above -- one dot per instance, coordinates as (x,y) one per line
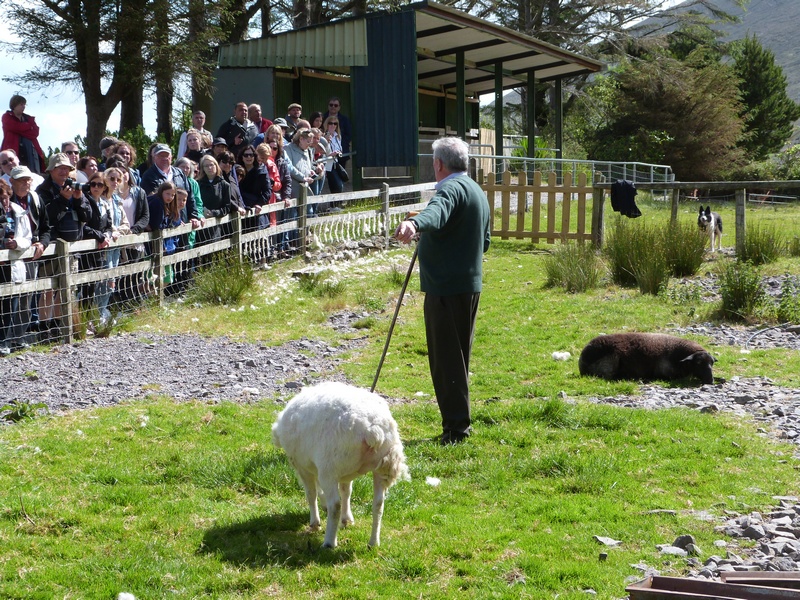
(113,178)
(332,132)
(15,235)
(8,161)
(72,152)
(256,188)
(345,130)
(97,227)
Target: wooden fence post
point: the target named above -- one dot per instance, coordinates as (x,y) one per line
(741,205)
(385,208)
(598,212)
(236,234)
(65,291)
(302,199)
(157,244)
(676,194)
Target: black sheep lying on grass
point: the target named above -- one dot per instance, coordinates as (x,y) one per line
(645,356)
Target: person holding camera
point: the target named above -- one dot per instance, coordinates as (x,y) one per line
(67,210)
(16,236)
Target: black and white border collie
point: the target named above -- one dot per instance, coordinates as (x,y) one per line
(711,223)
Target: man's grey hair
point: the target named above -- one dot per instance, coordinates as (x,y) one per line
(65,144)
(8,152)
(453,152)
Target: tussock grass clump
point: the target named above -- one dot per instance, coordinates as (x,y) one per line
(225,281)
(794,246)
(789,304)
(638,257)
(621,245)
(321,285)
(651,270)
(685,247)
(763,245)
(741,289)
(574,267)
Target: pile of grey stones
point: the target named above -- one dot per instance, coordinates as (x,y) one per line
(101,372)
(771,544)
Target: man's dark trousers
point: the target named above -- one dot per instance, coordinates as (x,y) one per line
(449,328)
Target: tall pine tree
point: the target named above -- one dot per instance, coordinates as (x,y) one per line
(768,112)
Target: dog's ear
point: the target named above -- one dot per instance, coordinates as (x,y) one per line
(701,209)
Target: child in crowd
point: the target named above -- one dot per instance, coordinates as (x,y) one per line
(165,214)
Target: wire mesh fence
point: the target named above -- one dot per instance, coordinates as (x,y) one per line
(75,289)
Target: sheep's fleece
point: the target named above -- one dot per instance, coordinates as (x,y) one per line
(332,433)
(645,356)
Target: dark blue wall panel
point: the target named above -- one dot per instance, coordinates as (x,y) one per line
(385,113)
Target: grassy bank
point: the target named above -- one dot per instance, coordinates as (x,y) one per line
(191,500)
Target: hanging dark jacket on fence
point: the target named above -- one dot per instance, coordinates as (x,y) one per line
(622,198)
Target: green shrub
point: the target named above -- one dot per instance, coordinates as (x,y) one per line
(789,303)
(224,281)
(762,245)
(574,267)
(741,289)
(19,410)
(685,248)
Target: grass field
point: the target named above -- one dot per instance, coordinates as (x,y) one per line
(191,500)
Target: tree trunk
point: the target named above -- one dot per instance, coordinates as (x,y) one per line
(162,72)
(266,19)
(129,62)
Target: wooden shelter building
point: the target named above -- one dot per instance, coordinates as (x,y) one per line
(404,78)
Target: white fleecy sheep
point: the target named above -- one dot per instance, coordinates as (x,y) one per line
(645,356)
(332,433)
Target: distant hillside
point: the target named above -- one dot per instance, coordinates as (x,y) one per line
(774,23)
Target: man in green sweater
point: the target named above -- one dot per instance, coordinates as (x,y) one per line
(454,234)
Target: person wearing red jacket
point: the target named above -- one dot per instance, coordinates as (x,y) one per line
(21,134)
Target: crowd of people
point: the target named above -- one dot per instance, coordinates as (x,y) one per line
(250,164)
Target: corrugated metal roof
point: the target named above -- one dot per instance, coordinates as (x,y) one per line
(441,32)
(338,44)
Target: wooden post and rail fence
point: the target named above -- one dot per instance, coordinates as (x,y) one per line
(560,197)
(539,209)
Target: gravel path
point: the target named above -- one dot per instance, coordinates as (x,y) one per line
(105,371)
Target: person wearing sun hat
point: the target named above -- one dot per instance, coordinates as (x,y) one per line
(59,169)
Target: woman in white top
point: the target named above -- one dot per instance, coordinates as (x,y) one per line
(333,135)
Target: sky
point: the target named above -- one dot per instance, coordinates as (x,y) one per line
(60,111)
